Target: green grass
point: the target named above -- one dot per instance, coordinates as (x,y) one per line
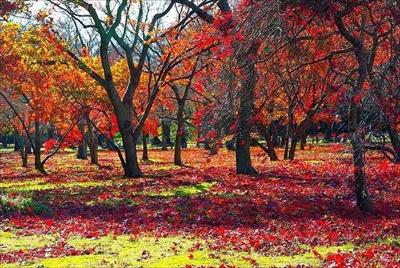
(126,251)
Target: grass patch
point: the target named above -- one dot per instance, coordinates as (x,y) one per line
(126,251)
(11,242)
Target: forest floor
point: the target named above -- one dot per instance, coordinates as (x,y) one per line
(294,213)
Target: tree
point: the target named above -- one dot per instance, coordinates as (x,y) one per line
(115,27)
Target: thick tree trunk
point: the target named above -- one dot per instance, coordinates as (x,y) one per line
(82,150)
(131,166)
(243,158)
(292,149)
(37,150)
(93,143)
(178,137)
(145,155)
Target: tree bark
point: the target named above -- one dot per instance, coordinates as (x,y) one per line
(82,150)
(17,144)
(93,143)
(37,150)
(164,136)
(131,165)
(394,139)
(178,137)
(292,149)
(243,158)
(303,141)
(363,200)
(145,155)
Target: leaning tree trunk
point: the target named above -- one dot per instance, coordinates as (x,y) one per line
(178,137)
(145,155)
(270,144)
(243,158)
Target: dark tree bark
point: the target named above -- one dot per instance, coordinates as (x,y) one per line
(93,143)
(394,139)
(82,150)
(17,144)
(303,141)
(164,136)
(145,155)
(243,158)
(292,149)
(179,135)
(37,149)
(4,141)
(362,56)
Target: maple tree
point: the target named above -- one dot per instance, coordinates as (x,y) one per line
(115,26)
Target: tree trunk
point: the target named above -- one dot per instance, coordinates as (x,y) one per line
(131,165)
(50,132)
(178,137)
(17,144)
(164,136)
(93,143)
(4,141)
(37,150)
(303,141)
(363,200)
(394,139)
(274,133)
(286,139)
(270,144)
(292,149)
(249,81)
(145,155)
(82,150)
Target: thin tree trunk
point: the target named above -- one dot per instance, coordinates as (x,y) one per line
(145,155)
(164,136)
(178,137)
(37,150)
(286,139)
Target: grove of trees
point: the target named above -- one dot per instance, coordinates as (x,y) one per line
(223,73)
